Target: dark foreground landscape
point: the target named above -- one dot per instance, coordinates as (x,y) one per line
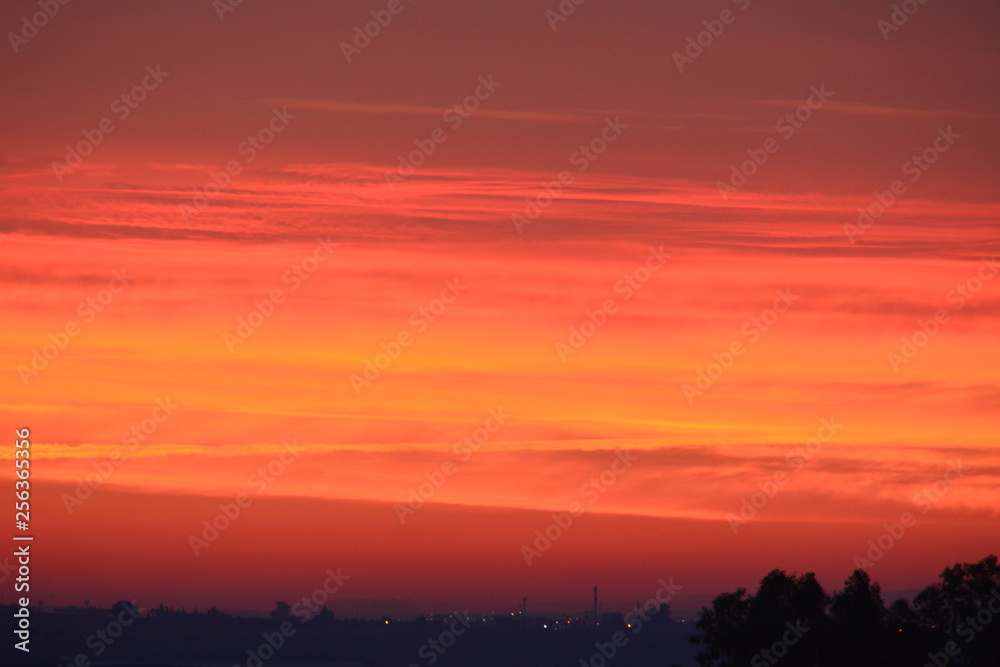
(790,620)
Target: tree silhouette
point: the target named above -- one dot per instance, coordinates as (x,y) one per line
(281,611)
(953,622)
(724,630)
(963,608)
(738,627)
(124,606)
(858,612)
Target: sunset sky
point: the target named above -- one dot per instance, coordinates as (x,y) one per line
(253,167)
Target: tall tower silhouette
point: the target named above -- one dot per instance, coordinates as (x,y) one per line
(595,605)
